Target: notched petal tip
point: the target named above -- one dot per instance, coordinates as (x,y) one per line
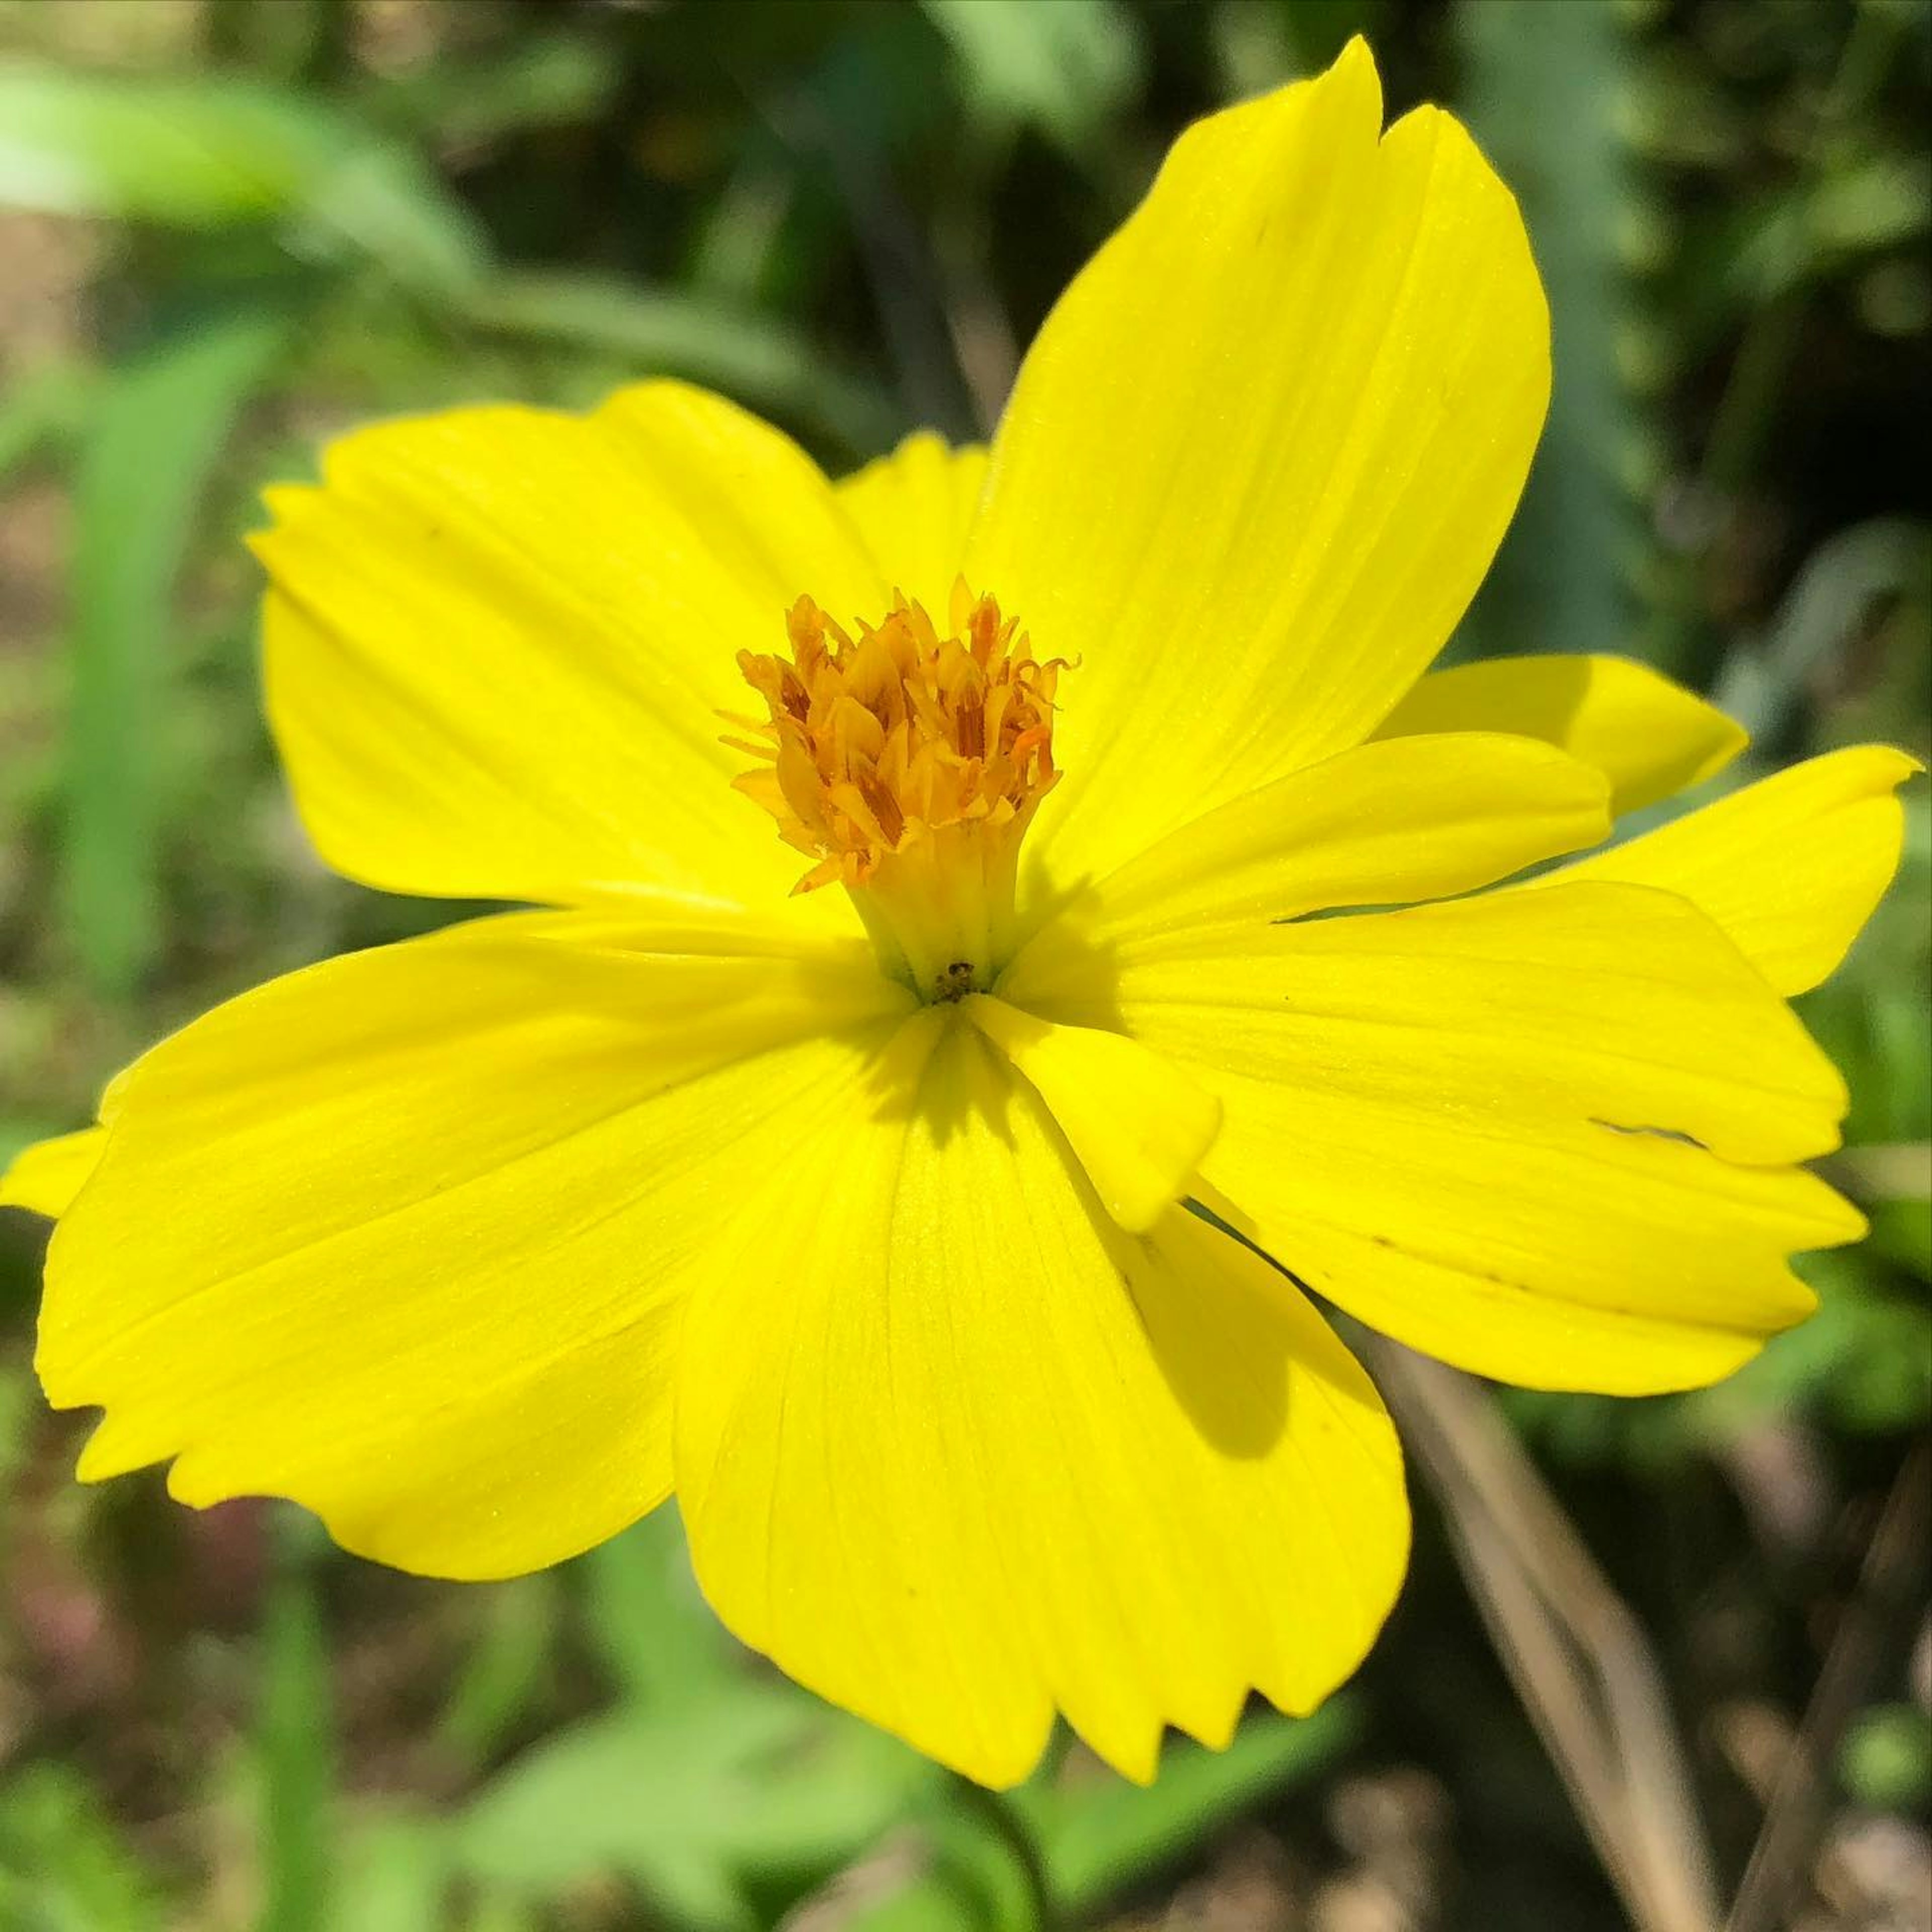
(1888,766)
(118,1446)
(1374,301)
(1224,1507)
(44,1178)
(1790,866)
(1353,74)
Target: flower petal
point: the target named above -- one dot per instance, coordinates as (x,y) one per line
(499,640)
(44,1178)
(994,1456)
(1790,867)
(1650,737)
(1537,1134)
(1136,1126)
(914,508)
(1381,824)
(1262,453)
(400,1236)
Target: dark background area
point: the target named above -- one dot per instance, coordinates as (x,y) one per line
(231,228)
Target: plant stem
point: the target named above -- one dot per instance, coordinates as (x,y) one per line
(1003,1817)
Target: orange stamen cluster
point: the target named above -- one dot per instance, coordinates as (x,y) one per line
(878,743)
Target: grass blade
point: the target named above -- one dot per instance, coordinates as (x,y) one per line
(144,460)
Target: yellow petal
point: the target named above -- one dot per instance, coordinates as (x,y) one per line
(1137,1126)
(1650,737)
(1262,453)
(400,1236)
(1523,1311)
(45,1178)
(1790,867)
(498,641)
(1381,824)
(914,508)
(1510,1131)
(992,1456)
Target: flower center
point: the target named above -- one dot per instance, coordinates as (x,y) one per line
(908,764)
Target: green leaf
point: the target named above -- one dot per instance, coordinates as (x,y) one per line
(1864,1360)
(1098,1839)
(217,153)
(556,81)
(757,1786)
(760,363)
(1902,1231)
(1877,203)
(145,456)
(1261,44)
(505,1669)
(64,1867)
(44,407)
(394,1872)
(20,1408)
(1097,1836)
(1767,685)
(1886,1759)
(969,1879)
(662,1644)
(1067,69)
(1811,229)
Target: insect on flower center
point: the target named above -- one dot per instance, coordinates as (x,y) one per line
(907,763)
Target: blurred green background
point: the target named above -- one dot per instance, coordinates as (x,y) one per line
(229,228)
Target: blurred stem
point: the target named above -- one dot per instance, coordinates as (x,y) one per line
(45,411)
(295,1736)
(309,40)
(982,334)
(1746,411)
(1746,418)
(1000,1816)
(1891,1583)
(1576,1656)
(330,56)
(225,32)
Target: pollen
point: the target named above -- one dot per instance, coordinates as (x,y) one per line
(906,763)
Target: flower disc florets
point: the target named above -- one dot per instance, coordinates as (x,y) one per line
(908,764)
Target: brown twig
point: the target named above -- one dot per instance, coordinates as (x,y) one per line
(1576,1656)
(1886,1603)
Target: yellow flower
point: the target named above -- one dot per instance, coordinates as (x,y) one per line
(869,1236)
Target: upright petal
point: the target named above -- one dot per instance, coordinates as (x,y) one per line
(914,508)
(1650,737)
(994,1456)
(400,1236)
(1540,1135)
(1790,867)
(498,641)
(1262,453)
